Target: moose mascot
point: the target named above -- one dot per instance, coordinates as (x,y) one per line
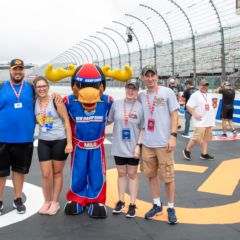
(88,108)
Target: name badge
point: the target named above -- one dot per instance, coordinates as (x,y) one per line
(151,124)
(207,107)
(126,135)
(18,105)
(44,129)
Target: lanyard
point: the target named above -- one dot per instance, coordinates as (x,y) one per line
(151,108)
(205,97)
(126,115)
(15,92)
(43,109)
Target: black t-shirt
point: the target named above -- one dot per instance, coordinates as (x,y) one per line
(187,94)
(228,96)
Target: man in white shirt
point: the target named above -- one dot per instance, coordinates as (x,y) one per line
(200,106)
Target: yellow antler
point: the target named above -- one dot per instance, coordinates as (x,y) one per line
(59,73)
(117,74)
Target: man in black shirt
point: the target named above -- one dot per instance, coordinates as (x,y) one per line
(190,89)
(227,107)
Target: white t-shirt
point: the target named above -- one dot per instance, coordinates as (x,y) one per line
(202,104)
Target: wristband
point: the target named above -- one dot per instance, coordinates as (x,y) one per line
(174,134)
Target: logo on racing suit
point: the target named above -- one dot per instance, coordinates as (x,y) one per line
(90,145)
(86,119)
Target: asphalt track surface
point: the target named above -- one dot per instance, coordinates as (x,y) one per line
(64,227)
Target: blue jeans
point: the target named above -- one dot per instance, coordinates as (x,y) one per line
(188,117)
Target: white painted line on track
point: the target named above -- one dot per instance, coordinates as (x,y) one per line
(34,200)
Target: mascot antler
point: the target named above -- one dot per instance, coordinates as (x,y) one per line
(59,73)
(117,74)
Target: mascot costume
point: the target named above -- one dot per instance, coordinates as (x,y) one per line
(88,108)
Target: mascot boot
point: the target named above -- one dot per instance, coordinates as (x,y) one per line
(73,208)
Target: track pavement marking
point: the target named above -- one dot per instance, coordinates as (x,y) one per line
(34,200)
(223,214)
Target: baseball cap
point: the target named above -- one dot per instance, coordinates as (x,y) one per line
(172,80)
(16,63)
(133,82)
(203,82)
(227,83)
(149,68)
(188,82)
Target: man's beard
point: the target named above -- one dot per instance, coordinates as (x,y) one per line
(16,80)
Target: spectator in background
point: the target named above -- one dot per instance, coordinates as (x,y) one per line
(228,95)
(200,107)
(190,89)
(161,83)
(174,86)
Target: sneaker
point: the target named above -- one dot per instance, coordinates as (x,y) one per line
(224,135)
(207,157)
(185,135)
(19,206)
(53,208)
(186,155)
(172,219)
(154,211)
(1,207)
(234,132)
(119,207)
(44,208)
(131,211)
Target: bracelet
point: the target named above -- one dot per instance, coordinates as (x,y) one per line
(174,134)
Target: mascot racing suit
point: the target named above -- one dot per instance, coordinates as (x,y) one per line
(88,163)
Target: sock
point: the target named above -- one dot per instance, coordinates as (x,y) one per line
(170,205)
(157,201)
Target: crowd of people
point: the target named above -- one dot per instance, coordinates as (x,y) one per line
(144,132)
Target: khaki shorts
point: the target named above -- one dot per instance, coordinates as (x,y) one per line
(201,134)
(158,160)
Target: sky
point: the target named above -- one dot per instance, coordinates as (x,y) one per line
(39,30)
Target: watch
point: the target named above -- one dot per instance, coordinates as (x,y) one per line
(139,144)
(174,134)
